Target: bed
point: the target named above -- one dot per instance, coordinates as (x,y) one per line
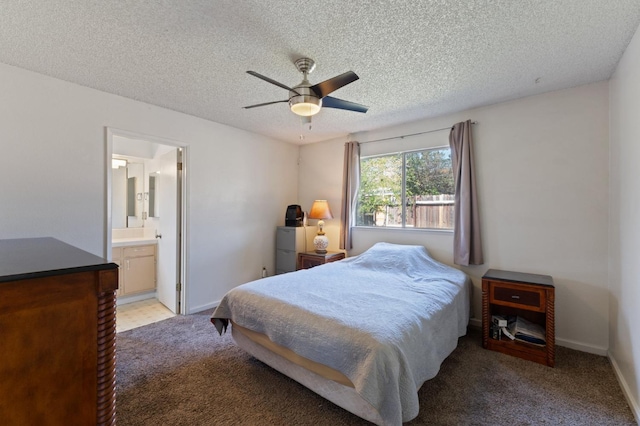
(365,332)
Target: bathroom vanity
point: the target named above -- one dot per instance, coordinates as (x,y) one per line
(137,268)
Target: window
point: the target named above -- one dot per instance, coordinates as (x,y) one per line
(412,189)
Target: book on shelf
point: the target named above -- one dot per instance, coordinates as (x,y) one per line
(530,332)
(519,328)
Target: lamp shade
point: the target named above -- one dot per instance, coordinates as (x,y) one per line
(320,210)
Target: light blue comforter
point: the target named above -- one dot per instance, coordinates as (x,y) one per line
(386,319)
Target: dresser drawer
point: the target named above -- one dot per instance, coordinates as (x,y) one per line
(517,296)
(137,251)
(286,260)
(286,238)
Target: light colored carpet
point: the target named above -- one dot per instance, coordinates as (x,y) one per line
(180,372)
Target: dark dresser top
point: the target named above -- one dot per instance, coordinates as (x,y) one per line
(27,258)
(520,277)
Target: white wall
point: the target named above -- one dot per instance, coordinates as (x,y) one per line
(53,177)
(543,193)
(624,237)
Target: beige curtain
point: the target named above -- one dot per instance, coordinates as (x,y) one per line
(350,183)
(467,245)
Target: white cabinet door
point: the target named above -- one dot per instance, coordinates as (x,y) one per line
(139,274)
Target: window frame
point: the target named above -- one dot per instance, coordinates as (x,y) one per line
(403,188)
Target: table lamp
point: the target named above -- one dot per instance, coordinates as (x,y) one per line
(320,210)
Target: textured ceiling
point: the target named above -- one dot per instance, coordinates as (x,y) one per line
(415,59)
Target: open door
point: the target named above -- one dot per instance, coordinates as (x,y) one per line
(169,184)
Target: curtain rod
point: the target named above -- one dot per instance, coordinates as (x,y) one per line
(413,134)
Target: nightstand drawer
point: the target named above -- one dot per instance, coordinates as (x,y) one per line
(312,259)
(309,262)
(517,296)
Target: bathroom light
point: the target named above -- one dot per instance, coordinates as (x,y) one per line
(117,163)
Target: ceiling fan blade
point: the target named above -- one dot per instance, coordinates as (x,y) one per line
(266,103)
(328,86)
(330,102)
(272,81)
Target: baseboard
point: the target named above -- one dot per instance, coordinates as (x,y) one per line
(123,300)
(596,350)
(201,308)
(582,347)
(635,408)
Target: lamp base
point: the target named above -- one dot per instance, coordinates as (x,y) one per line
(320,243)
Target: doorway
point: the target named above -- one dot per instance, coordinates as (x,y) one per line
(148,197)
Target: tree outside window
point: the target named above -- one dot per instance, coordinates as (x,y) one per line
(413,189)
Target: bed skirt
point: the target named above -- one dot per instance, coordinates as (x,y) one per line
(340,394)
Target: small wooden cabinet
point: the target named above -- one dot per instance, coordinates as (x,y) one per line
(137,268)
(57,334)
(530,296)
(310,259)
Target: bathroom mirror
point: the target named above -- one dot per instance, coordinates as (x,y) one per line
(127,203)
(153,195)
(131,196)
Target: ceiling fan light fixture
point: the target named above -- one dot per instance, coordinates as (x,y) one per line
(305,105)
(306,100)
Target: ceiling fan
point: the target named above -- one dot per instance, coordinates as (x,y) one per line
(306,99)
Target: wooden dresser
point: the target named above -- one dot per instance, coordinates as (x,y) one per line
(57,334)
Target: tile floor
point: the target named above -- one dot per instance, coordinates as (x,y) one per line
(140,313)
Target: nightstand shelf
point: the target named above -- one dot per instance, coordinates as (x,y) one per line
(310,259)
(529,296)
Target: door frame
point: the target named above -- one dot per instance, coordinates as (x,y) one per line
(183,195)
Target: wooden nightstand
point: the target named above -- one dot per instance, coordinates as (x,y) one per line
(529,296)
(311,258)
